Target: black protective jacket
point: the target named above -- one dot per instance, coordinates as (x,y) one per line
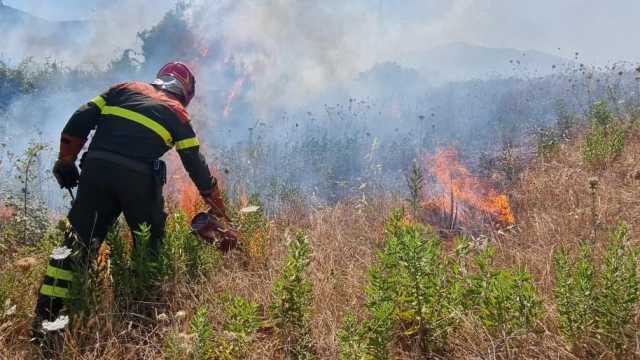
(141,122)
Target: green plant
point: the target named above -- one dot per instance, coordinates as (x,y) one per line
(204,345)
(412,274)
(31,217)
(184,252)
(548,143)
(617,295)
(602,303)
(505,301)
(369,339)
(241,323)
(574,293)
(292,293)
(605,140)
(415,183)
(173,347)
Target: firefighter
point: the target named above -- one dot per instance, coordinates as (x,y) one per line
(135,124)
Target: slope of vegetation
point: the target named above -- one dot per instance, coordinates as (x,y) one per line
(363,281)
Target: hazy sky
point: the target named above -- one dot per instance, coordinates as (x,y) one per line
(600,30)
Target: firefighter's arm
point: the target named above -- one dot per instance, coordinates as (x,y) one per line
(74,136)
(75,133)
(194,162)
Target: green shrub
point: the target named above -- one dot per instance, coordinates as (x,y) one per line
(184,253)
(204,345)
(292,293)
(412,274)
(505,301)
(574,294)
(602,303)
(617,295)
(605,140)
(548,143)
(415,183)
(241,323)
(370,338)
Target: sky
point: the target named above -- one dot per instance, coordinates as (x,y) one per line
(601,31)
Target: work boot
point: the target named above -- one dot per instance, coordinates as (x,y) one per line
(49,336)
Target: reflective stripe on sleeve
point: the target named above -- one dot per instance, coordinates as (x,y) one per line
(187,143)
(58,273)
(54,291)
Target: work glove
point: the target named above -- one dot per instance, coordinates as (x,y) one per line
(65,170)
(66,173)
(213,198)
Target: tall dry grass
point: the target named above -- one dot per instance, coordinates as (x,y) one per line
(554,206)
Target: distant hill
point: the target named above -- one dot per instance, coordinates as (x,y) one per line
(26,34)
(461,61)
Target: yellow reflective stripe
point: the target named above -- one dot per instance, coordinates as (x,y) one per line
(54,291)
(58,273)
(140,119)
(187,143)
(99,101)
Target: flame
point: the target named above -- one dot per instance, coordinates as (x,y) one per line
(182,194)
(233,93)
(459,186)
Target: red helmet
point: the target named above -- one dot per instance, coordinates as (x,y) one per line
(183,74)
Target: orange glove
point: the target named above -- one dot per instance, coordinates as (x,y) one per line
(213,198)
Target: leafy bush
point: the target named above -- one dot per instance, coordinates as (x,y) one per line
(369,339)
(204,346)
(605,140)
(617,295)
(415,183)
(548,143)
(574,293)
(505,301)
(292,292)
(241,323)
(601,303)
(411,274)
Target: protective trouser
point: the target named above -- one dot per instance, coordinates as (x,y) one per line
(107,188)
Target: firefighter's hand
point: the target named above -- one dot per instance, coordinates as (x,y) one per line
(215,202)
(66,173)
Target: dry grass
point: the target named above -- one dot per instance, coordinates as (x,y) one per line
(553,206)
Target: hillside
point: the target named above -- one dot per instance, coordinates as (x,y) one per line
(28,35)
(459,61)
(558,202)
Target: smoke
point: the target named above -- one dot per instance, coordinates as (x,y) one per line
(322,97)
(91,42)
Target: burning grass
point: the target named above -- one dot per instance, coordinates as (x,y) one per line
(457,199)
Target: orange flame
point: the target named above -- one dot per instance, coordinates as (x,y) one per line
(459,185)
(182,194)
(233,93)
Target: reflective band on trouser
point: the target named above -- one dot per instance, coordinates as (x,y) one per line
(57,273)
(187,143)
(99,101)
(140,119)
(54,291)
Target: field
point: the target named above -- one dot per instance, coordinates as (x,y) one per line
(360,280)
